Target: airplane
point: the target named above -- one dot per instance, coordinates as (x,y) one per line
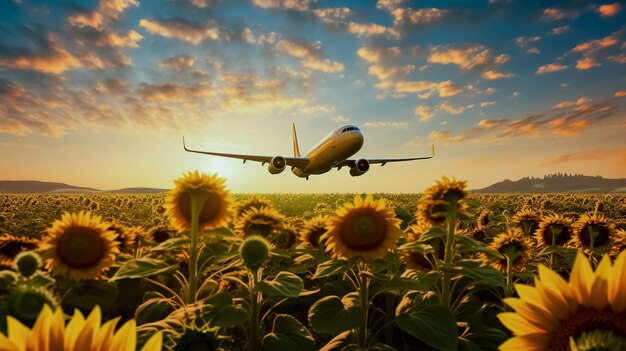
(334,150)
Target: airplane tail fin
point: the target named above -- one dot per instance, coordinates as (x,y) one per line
(296,148)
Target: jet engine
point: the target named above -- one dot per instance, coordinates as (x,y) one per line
(359,168)
(277,164)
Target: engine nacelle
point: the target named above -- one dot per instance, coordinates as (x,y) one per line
(360,167)
(277,165)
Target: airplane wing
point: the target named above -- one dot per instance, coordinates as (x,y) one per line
(299,162)
(384,161)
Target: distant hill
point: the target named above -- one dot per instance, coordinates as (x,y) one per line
(558,183)
(33,186)
(138,191)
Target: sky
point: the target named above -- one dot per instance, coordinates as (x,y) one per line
(100,93)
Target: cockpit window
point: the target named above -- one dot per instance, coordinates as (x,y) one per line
(357,128)
(349,129)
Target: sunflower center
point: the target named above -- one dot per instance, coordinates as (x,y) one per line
(600,235)
(584,320)
(80,247)
(210,209)
(259,227)
(313,238)
(557,232)
(418,261)
(363,230)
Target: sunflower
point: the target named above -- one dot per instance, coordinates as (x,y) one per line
(527,220)
(619,244)
(26,302)
(286,238)
(418,260)
(125,236)
(51,333)
(554,313)
(437,197)
(254,201)
(313,230)
(483,218)
(209,192)
(194,338)
(592,232)
(554,228)
(159,234)
(264,221)
(79,246)
(365,228)
(508,243)
(11,245)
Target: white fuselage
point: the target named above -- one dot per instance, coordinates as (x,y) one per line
(336,147)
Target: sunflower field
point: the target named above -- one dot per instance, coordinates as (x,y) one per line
(200,268)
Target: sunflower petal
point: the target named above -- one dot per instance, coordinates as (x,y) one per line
(530,342)
(126,337)
(18,333)
(617,284)
(599,289)
(73,329)
(7,345)
(155,343)
(517,324)
(557,285)
(535,315)
(581,279)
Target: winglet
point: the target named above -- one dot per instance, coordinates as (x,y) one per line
(296,148)
(184,146)
(433,146)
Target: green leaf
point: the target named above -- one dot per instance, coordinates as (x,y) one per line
(400,283)
(331,267)
(483,274)
(433,233)
(171,244)
(153,310)
(288,334)
(470,245)
(91,293)
(221,311)
(141,268)
(340,340)
(433,324)
(329,315)
(284,284)
(465,218)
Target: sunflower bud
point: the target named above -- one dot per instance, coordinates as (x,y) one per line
(26,303)
(7,278)
(27,263)
(598,340)
(255,250)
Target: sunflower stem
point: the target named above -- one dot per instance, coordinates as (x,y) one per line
(255,310)
(509,276)
(364,301)
(449,254)
(197,202)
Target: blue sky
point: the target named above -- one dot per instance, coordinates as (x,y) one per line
(99,93)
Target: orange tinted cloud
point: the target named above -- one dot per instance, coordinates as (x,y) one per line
(424,113)
(492,75)
(490,124)
(178,62)
(550,68)
(382,72)
(298,5)
(592,46)
(86,18)
(620,93)
(323,65)
(332,15)
(402,16)
(609,10)
(366,30)
(377,54)
(466,58)
(585,155)
(555,14)
(621,58)
(113,8)
(180,29)
(586,63)
(129,39)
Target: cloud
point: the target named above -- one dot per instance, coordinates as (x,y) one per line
(181,29)
(609,10)
(383,73)
(386,124)
(551,68)
(559,30)
(448,88)
(586,63)
(439,136)
(297,5)
(492,75)
(554,14)
(309,55)
(584,156)
(466,58)
(620,93)
(562,105)
(408,16)
(591,46)
(332,16)
(414,86)
(366,30)
(525,41)
(340,119)
(388,4)
(113,8)
(178,62)
(378,54)
(453,110)
(86,18)
(621,58)
(533,51)
(129,39)
(489,124)
(424,113)
(487,103)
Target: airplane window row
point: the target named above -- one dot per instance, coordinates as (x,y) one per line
(350,128)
